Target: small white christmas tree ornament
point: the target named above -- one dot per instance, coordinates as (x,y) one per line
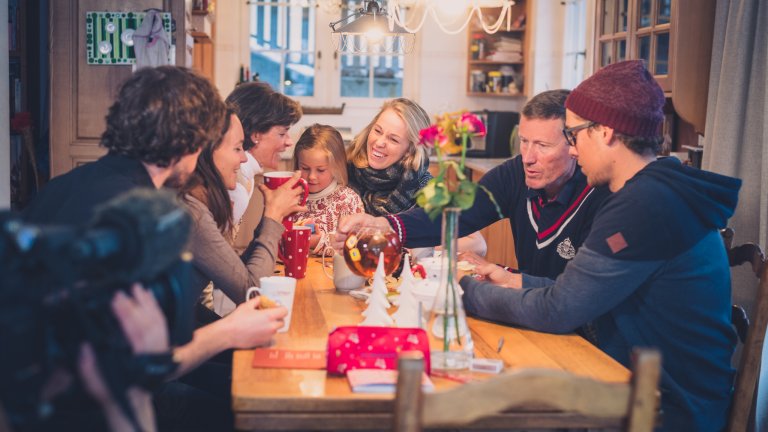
(376,314)
(408,314)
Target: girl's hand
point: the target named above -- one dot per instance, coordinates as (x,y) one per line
(318,242)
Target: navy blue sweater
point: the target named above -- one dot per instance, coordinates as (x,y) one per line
(547,233)
(652,272)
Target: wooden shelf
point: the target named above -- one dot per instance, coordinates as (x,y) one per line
(495,63)
(480,44)
(495,94)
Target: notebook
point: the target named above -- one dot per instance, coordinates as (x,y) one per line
(380,381)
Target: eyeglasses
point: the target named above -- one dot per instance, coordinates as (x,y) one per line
(570,133)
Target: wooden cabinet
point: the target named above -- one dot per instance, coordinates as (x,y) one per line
(496,62)
(674,38)
(636,29)
(202,31)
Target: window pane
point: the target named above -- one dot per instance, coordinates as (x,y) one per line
(355,76)
(609,12)
(299,74)
(621,50)
(662,54)
(606,53)
(665,11)
(644,49)
(282,43)
(267,66)
(623,7)
(644,19)
(387,76)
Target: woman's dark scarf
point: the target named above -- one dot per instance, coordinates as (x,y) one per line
(388,191)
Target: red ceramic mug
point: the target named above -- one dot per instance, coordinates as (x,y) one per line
(275,179)
(294,251)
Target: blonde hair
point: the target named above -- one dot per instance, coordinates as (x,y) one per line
(415,119)
(328,139)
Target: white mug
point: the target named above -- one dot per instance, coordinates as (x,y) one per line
(343,278)
(281,289)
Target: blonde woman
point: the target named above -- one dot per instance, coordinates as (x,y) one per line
(385,165)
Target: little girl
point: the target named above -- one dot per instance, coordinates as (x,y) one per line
(321,157)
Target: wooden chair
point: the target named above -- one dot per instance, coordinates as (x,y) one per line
(561,399)
(752,335)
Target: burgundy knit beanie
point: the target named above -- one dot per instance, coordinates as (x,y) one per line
(623,96)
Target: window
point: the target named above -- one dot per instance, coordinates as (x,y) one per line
(574,43)
(291,49)
(282,42)
(635,29)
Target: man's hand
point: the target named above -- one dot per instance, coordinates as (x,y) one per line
(492,272)
(145,328)
(248,327)
(140,318)
(284,200)
(353,223)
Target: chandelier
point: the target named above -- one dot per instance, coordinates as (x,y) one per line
(373,30)
(451,16)
(370,30)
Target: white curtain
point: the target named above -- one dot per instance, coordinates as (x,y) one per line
(736,136)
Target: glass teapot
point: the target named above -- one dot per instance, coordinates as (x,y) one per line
(362,249)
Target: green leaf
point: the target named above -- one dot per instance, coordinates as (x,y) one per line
(465,197)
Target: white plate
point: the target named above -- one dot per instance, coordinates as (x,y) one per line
(360,294)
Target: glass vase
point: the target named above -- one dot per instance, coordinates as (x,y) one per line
(452,346)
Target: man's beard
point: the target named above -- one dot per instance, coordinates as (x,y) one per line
(177,179)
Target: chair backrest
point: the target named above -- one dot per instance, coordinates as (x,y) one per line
(567,399)
(752,335)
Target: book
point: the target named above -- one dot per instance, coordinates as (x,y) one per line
(380,381)
(288,359)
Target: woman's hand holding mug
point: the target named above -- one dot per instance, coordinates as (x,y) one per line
(285,193)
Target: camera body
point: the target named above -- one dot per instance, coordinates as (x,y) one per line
(56,288)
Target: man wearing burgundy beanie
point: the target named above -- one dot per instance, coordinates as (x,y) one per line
(652,271)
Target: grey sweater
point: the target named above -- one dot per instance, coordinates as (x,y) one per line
(215,259)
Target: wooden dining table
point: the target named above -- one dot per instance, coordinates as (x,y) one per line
(311,399)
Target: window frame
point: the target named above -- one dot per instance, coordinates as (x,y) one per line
(632,37)
(327,86)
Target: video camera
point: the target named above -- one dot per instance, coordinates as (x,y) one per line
(56,287)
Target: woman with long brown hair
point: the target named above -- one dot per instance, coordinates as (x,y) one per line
(206,195)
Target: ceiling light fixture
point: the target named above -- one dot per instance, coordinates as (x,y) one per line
(371,31)
(441,10)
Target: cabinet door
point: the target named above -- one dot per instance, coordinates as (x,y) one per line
(636,29)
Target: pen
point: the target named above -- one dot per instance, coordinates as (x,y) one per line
(501,344)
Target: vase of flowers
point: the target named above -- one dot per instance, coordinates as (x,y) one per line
(447,194)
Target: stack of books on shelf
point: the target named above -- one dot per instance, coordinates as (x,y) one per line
(508,50)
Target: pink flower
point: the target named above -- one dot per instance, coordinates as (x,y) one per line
(431,135)
(470,123)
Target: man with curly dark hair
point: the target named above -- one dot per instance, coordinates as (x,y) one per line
(155,130)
